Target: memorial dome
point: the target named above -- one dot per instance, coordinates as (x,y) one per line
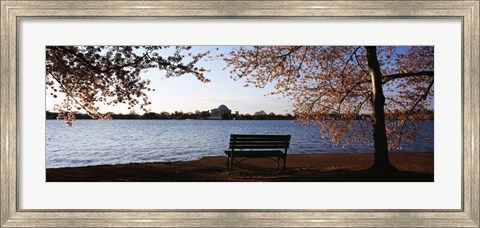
(223,108)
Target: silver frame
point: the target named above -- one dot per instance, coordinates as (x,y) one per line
(468,216)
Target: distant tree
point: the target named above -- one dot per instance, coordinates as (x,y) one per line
(92,75)
(133,113)
(150,115)
(346,82)
(50,115)
(204,114)
(260,113)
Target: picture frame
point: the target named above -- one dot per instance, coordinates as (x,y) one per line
(467,11)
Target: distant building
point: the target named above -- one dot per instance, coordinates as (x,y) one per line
(218,113)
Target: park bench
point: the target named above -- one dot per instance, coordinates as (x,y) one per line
(242,147)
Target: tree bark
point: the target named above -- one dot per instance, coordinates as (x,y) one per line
(381,161)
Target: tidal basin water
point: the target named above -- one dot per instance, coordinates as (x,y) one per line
(94,142)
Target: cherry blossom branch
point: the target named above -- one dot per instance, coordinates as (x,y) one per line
(404,75)
(410,112)
(85,62)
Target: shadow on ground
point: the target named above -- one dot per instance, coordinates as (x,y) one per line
(245,173)
(412,167)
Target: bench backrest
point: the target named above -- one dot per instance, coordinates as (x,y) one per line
(259,142)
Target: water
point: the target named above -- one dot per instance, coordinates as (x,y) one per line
(92,142)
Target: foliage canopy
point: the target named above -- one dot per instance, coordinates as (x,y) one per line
(326,80)
(110,75)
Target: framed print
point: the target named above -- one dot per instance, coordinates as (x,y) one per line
(202,95)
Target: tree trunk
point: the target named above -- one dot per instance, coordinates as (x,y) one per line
(381,161)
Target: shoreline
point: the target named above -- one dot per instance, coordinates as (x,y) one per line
(330,167)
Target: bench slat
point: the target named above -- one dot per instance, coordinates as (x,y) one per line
(258,146)
(259,143)
(257,136)
(258,154)
(259,139)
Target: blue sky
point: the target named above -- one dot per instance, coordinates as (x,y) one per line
(188,94)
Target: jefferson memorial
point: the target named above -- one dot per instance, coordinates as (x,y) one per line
(217,113)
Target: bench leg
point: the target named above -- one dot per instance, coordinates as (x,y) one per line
(284,162)
(228,163)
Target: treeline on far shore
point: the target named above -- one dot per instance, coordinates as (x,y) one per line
(205,115)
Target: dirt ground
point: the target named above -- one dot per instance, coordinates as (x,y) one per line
(354,167)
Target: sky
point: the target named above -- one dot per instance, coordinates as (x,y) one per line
(186,93)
